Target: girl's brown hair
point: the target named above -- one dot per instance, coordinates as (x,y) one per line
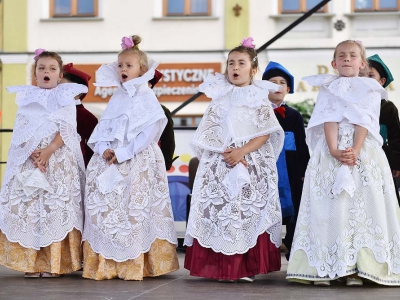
(250,51)
(142,57)
(48,54)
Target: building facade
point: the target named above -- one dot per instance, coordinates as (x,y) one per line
(190,39)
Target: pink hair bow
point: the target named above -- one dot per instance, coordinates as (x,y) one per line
(127,42)
(38,52)
(248,43)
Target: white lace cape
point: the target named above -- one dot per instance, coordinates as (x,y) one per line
(41,113)
(357,99)
(231,207)
(332,228)
(132,107)
(236,114)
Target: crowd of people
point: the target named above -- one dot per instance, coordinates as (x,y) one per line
(81,193)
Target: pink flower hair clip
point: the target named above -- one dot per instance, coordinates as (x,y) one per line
(248,43)
(38,52)
(127,43)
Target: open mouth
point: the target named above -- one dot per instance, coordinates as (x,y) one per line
(46,78)
(235,75)
(124,76)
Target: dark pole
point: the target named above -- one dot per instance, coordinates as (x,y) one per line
(294,24)
(191,99)
(263,47)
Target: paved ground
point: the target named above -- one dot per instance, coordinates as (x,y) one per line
(180,285)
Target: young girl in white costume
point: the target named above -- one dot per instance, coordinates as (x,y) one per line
(348,223)
(41,202)
(234,227)
(129,228)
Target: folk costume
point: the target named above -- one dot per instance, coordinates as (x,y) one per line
(293,160)
(388,121)
(234,227)
(86,121)
(348,220)
(41,215)
(129,228)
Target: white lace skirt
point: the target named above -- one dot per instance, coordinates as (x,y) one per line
(123,219)
(338,235)
(38,209)
(230,208)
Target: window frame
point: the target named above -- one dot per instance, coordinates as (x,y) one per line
(375,7)
(74,10)
(186,10)
(303,8)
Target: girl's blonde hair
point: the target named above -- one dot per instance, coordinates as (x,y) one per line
(142,57)
(359,44)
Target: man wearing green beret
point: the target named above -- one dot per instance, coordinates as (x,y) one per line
(389,117)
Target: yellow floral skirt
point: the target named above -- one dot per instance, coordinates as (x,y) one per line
(59,257)
(161,259)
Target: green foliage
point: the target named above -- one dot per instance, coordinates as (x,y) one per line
(304,107)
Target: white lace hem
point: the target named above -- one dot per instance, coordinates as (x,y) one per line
(48,243)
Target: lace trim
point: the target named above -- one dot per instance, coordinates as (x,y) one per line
(229,121)
(358,219)
(107,75)
(216,86)
(230,223)
(351,89)
(62,94)
(38,209)
(32,125)
(338,101)
(123,220)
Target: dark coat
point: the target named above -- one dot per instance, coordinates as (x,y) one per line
(86,122)
(167,140)
(389,119)
(296,161)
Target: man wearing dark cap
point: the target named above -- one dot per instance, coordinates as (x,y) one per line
(293,160)
(389,117)
(86,121)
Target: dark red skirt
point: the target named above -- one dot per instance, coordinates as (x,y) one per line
(264,257)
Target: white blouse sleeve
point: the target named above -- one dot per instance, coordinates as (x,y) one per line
(137,144)
(101,147)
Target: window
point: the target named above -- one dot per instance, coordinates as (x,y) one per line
(299,6)
(375,5)
(73,8)
(187,7)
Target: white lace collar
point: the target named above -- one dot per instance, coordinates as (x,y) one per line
(253,95)
(351,89)
(63,94)
(107,75)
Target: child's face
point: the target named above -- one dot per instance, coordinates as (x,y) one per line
(47,73)
(348,60)
(239,69)
(279,96)
(371,72)
(128,66)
